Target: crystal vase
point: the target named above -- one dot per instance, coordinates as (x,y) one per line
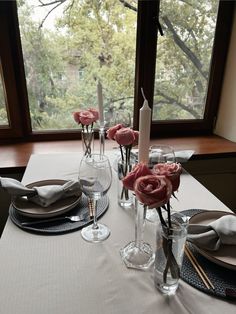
(125,196)
(87,137)
(170,244)
(138,254)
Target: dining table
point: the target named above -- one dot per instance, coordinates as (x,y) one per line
(64,274)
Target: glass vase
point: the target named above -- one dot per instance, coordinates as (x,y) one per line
(125,196)
(87,137)
(138,254)
(170,244)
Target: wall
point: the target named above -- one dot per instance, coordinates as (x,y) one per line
(226,120)
(218,176)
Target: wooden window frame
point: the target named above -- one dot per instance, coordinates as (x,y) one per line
(146,45)
(146,62)
(14,129)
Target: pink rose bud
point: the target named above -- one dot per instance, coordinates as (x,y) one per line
(125,136)
(139,170)
(86,117)
(152,190)
(112,131)
(76,116)
(95,114)
(171,170)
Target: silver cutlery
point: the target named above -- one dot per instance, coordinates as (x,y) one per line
(70,218)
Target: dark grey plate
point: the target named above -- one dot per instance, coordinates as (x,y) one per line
(221,277)
(61,226)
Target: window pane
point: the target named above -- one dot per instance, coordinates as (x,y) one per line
(68,50)
(184,58)
(3,109)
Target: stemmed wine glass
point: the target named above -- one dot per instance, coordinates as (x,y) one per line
(95,180)
(159,154)
(121,117)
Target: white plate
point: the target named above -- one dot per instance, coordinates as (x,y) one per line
(226,255)
(30,209)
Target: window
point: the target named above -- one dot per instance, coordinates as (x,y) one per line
(183,59)
(56,57)
(67,47)
(10,121)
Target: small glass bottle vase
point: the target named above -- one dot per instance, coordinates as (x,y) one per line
(87,137)
(125,196)
(170,244)
(138,254)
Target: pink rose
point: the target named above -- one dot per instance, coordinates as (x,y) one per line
(152,190)
(86,117)
(139,170)
(95,113)
(76,116)
(171,170)
(125,136)
(136,135)
(112,131)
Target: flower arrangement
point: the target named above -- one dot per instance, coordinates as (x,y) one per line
(86,118)
(126,138)
(154,188)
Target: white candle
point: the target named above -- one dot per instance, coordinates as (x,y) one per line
(144,132)
(100,103)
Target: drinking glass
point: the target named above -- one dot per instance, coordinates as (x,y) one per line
(121,117)
(95,180)
(159,154)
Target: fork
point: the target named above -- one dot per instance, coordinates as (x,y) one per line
(70,218)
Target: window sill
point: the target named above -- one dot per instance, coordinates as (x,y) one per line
(14,157)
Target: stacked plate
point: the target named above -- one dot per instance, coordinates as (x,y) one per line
(219,265)
(35,218)
(226,255)
(30,209)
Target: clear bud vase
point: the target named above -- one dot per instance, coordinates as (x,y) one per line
(125,196)
(170,244)
(87,137)
(138,254)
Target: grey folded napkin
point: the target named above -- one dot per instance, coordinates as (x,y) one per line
(183,155)
(42,195)
(210,237)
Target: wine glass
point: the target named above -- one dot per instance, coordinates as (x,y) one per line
(159,154)
(95,180)
(121,117)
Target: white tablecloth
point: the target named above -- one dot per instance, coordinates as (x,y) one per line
(64,274)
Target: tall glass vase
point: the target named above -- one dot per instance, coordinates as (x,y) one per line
(138,254)
(170,244)
(125,196)
(87,137)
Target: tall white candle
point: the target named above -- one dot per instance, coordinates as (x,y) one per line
(144,132)
(100,103)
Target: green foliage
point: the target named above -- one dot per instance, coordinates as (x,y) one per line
(183,58)
(96,40)
(93,40)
